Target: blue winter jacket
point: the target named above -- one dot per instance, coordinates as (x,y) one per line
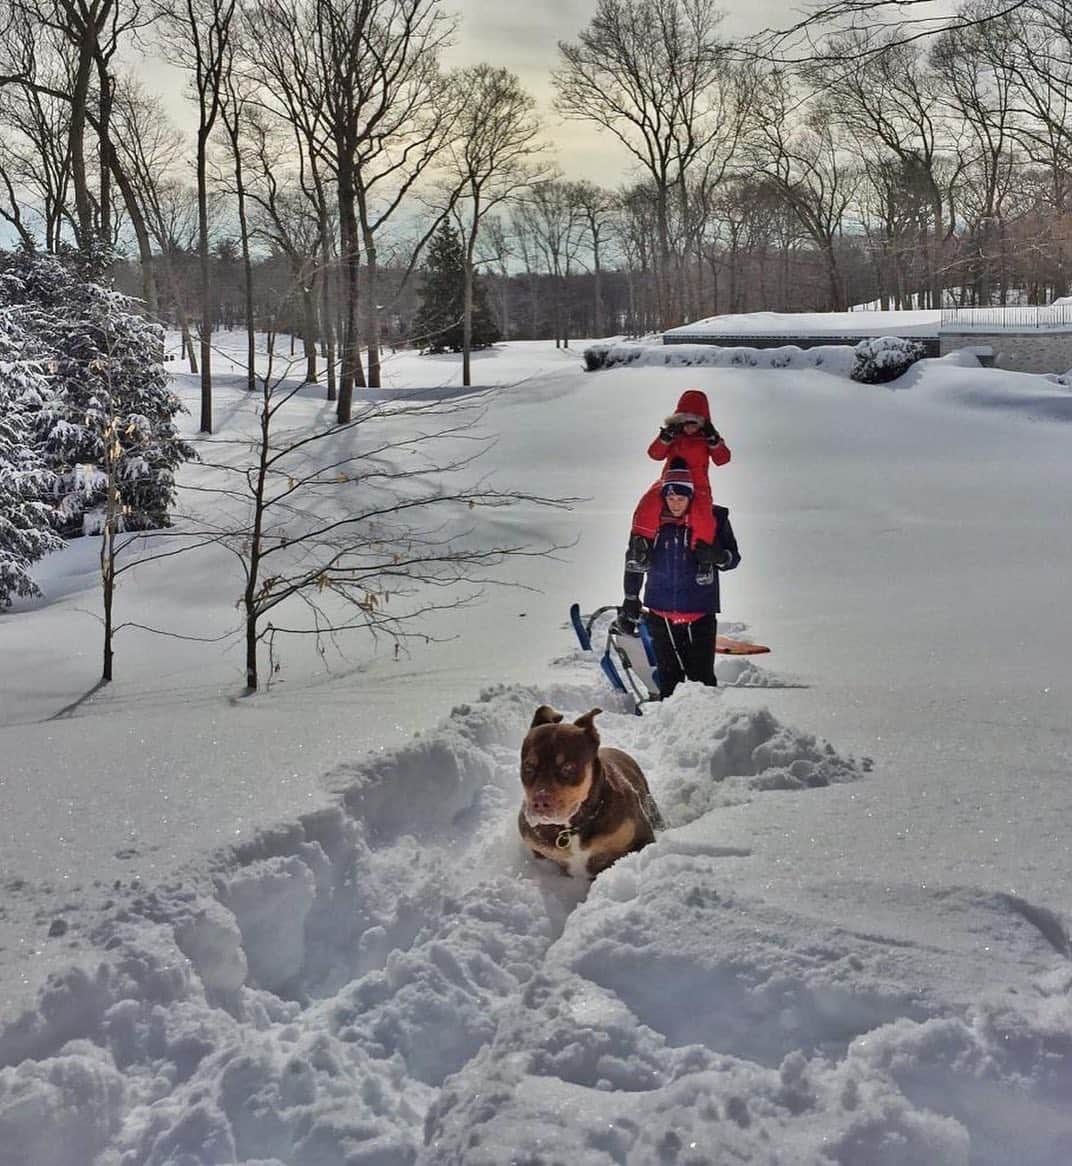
(670,584)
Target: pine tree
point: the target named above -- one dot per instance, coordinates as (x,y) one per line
(26,533)
(437,327)
(105,382)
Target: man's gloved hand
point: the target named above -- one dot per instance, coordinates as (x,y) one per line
(629,615)
(711,433)
(708,554)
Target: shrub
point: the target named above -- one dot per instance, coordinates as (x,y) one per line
(611,354)
(884,359)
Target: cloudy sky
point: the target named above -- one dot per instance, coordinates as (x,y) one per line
(523,37)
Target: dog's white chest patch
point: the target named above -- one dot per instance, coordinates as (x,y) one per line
(577,863)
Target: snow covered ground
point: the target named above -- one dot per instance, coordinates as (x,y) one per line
(300,928)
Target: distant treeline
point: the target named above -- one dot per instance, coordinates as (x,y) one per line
(862,161)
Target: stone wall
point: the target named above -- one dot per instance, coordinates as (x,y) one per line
(1031,350)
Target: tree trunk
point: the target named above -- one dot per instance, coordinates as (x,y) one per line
(597,288)
(187,340)
(247,271)
(662,275)
(308,295)
(327,314)
(833,275)
(372,316)
(206,282)
(112,513)
(77,136)
(467,295)
(325,272)
(107,88)
(467,317)
(150,293)
(249,598)
(352,373)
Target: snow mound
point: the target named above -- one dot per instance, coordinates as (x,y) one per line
(797,1034)
(1032,396)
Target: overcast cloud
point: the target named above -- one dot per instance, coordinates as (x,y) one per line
(523,37)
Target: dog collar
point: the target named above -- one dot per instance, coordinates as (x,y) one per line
(565,836)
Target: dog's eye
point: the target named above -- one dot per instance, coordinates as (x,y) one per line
(568,769)
(528,767)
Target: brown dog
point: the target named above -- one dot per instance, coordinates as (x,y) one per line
(584,806)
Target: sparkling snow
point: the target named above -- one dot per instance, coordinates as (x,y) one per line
(300,927)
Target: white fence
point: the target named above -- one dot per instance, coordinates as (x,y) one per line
(997,319)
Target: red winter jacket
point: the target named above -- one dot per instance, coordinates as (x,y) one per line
(693,448)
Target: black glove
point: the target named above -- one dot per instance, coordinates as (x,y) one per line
(707,553)
(668,433)
(629,614)
(711,433)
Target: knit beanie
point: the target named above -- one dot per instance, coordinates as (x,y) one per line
(678,479)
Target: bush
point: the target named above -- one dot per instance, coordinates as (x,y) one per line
(884,359)
(609,354)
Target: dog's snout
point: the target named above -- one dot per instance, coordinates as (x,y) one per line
(541,801)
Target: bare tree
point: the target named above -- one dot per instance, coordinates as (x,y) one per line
(596,207)
(810,171)
(980,82)
(235,109)
(881,90)
(205,28)
(551,210)
(496,250)
(637,233)
(35,157)
(95,30)
(148,147)
(334,536)
(1035,43)
(493,156)
(384,119)
(650,72)
(290,222)
(284,59)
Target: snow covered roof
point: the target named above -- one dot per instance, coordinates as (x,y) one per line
(840,324)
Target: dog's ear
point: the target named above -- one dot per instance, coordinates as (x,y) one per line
(586,723)
(545,715)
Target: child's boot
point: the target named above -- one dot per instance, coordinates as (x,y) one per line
(638,554)
(705,563)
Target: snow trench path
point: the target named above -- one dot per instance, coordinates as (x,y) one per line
(393,980)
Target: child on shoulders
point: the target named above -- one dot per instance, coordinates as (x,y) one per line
(689,436)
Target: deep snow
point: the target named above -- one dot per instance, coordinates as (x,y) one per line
(305,930)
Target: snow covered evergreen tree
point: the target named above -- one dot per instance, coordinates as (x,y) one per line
(438,325)
(107,411)
(26,533)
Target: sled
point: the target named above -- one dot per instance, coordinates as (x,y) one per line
(728,646)
(628,659)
